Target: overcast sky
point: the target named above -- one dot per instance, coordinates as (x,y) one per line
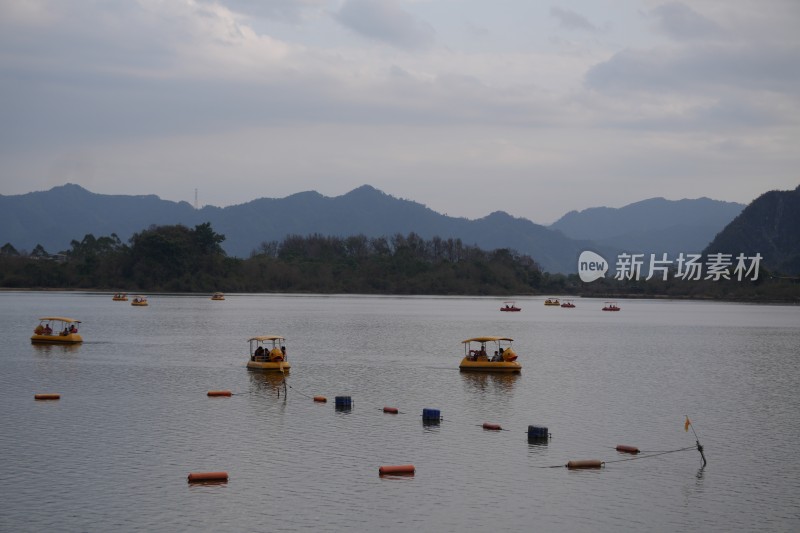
(466,106)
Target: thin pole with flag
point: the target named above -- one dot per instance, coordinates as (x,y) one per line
(686,426)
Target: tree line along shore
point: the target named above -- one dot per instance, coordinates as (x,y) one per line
(176,258)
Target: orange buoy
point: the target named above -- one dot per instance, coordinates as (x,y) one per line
(195,477)
(585,463)
(392,410)
(47,396)
(627,449)
(219,393)
(396,470)
(493,427)
(320,399)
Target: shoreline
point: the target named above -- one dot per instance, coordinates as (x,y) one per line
(599,296)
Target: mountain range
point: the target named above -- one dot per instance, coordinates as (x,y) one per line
(56,217)
(654,225)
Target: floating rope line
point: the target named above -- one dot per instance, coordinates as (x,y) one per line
(650,454)
(298,392)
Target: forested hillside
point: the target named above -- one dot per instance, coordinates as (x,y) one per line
(770,226)
(179,259)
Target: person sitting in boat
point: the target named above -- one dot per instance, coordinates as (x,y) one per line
(73,329)
(48,330)
(65,332)
(497,357)
(258,353)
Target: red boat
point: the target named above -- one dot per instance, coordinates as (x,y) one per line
(568,303)
(611,306)
(510,306)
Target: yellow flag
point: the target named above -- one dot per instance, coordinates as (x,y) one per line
(686,424)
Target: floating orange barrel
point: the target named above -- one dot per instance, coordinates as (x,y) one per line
(392,410)
(47,396)
(585,463)
(322,399)
(397,470)
(196,477)
(219,393)
(493,427)
(627,449)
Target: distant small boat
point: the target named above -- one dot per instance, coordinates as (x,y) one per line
(139,301)
(568,304)
(63,331)
(510,306)
(217,296)
(611,306)
(552,301)
(120,297)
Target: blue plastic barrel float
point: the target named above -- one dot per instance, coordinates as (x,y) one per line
(431,416)
(343,402)
(538,433)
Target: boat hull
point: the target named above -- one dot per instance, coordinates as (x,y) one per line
(488,366)
(72,338)
(275,366)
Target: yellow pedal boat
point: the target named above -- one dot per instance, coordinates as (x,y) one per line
(120,297)
(552,301)
(217,296)
(56,330)
(268,354)
(139,301)
(503,358)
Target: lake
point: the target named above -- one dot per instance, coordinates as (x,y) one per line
(134,418)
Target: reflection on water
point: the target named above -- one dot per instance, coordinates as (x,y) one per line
(55,349)
(501,382)
(272,382)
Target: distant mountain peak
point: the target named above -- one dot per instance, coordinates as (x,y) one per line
(365,189)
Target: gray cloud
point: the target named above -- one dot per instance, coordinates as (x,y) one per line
(386,21)
(678,20)
(285,10)
(154,97)
(572,21)
(746,66)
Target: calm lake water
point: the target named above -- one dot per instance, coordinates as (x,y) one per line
(134,418)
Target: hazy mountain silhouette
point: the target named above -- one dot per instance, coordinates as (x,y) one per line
(770,225)
(656,225)
(54,218)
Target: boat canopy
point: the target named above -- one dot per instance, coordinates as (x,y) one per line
(487,339)
(263,338)
(60,319)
